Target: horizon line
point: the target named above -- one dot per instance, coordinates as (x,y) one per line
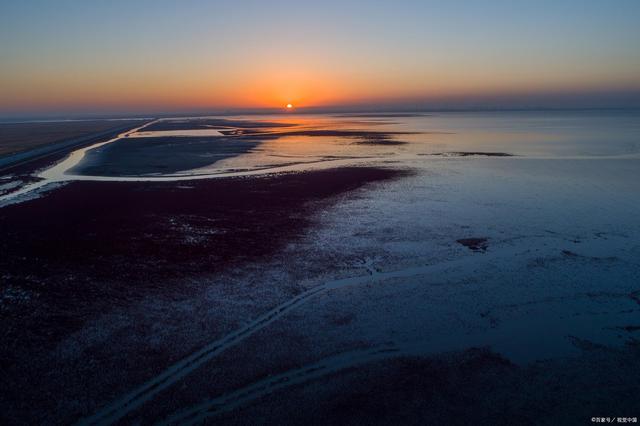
(52,116)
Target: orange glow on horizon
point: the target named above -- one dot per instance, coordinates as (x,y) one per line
(204,56)
(275,82)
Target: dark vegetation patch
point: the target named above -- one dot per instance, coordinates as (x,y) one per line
(243,132)
(341,133)
(212,123)
(475,244)
(379,139)
(481,154)
(90,246)
(362,137)
(471,154)
(630,328)
(382,115)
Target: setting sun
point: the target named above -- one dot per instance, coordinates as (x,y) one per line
(289,106)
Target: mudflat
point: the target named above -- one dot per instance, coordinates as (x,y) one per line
(112,245)
(19,137)
(464,269)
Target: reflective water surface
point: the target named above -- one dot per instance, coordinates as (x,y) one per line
(266,142)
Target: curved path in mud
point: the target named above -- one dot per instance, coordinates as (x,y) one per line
(131,401)
(239,397)
(147,391)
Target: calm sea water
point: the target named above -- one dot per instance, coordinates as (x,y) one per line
(333,140)
(553,134)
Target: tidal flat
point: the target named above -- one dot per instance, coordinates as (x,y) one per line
(300,269)
(26,141)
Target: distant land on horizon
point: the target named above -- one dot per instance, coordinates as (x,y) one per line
(14,118)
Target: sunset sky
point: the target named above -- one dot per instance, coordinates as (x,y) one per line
(188,55)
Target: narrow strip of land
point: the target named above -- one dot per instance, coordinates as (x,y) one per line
(43,149)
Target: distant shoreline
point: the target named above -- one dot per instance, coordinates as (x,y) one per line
(43,118)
